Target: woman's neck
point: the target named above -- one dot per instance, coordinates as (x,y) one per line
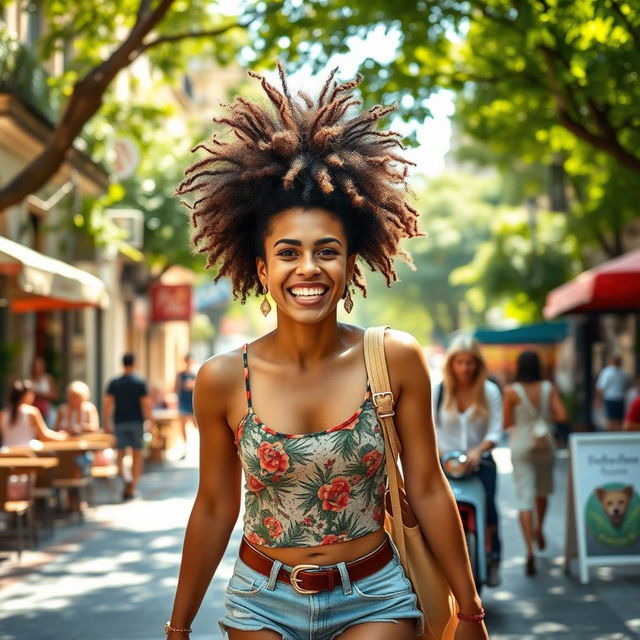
(303,344)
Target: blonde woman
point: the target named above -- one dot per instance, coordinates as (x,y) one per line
(78,414)
(469,419)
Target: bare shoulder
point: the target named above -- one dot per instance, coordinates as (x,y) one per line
(405,356)
(219,373)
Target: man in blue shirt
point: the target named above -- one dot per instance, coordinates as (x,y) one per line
(127,405)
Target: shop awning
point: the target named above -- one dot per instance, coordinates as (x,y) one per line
(612,286)
(541,333)
(43,283)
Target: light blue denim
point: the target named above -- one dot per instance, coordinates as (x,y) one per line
(254,602)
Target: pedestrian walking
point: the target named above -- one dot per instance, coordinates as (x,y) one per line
(21,422)
(126,407)
(287,204)
(611,387)
(469,419)
(44,388)
(632,416)
(530,404)
(185,381)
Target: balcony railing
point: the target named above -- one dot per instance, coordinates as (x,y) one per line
(22,76)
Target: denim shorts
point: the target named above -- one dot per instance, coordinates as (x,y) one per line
(254,601)
(129,434)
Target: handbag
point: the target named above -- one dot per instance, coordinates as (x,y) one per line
(435,598)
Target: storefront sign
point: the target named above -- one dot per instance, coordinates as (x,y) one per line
(605,492)
(171,303)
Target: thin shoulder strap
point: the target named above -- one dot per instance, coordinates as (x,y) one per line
(245,364)
(524,396)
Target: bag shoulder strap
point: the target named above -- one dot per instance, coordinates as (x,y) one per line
(383,401)
(524,396)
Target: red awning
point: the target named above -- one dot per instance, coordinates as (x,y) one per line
(611,286)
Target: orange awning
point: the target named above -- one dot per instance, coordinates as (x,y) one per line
(611,286)
(42,283)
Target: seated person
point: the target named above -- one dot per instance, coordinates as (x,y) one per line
(21,422)
(78,414)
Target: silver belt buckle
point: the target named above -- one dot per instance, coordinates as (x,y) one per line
(295,581)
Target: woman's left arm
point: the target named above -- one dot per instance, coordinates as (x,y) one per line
(427,488)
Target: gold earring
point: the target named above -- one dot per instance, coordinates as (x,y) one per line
(265,306)
(348,300)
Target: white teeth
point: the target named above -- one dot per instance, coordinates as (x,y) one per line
(310,292)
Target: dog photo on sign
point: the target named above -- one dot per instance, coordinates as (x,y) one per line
(615,503)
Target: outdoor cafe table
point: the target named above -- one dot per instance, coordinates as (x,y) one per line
(27,464)
(76,444)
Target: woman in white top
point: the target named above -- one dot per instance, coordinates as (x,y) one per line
(77,415)
(469,419)
(531,398)
(21,422)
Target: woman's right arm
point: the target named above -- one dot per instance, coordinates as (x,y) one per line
(217,502)
(507,408)
(44,433)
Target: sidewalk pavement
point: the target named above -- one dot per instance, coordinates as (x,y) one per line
(113,578)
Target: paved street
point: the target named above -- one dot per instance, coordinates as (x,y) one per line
(113,577)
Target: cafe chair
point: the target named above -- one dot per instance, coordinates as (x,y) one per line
(105,469)
(16,507)
(70,477)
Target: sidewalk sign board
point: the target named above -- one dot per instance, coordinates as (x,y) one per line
(603,500)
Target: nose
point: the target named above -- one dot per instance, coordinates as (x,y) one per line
(307,265)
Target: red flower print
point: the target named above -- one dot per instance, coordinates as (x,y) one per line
(254,538)
(332,538)
(335,496)
(254,485)
(273,457)
(271,432)
(276,477)
(372,460)
(329,463)
(378,514)
(307,521)
(356,479)
(239,432)
(273,526)
(380,490)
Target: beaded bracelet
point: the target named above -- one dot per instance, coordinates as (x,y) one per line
(168,629)
(477,617)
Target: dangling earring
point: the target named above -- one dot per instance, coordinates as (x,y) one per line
(348,300)
(265,306)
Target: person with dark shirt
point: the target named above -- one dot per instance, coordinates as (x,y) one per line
(127,405)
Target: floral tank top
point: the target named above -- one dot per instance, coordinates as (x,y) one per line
(315,488)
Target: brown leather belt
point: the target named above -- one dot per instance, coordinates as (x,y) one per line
(307,579)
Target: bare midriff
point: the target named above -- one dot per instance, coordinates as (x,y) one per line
(325,554)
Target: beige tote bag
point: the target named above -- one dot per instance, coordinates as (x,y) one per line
(429,583)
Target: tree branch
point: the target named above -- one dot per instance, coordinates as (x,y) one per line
(86,100)
(212,33)
(634,32)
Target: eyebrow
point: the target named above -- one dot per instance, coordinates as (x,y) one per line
(297,243)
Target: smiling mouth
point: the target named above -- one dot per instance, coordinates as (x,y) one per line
(307,293)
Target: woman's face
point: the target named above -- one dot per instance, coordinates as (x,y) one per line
(464,367)
(307,264)
(74,399)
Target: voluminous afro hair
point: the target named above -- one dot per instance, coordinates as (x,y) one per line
(299,151)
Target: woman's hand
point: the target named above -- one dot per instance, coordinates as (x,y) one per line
(473,458)
(471,631)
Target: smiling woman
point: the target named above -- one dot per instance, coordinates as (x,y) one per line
(294,199)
